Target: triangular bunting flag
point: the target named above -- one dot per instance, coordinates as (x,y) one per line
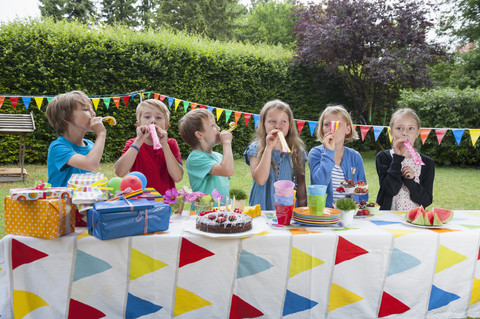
(424,134)
(228,113)
(95,103)
(106,101)
(240,309)
(475,297)
(295,303)
(116,100)
(141,264)
(25,302)
(354,127)
(148,94)
(39,101)
(347,250)
(26,101)
(390,138)
(447,258)
(186,301)
(300,262)
(193,105)
(256,119)
(312,125)
(190,253)
(474,134)
(23,254)
(376,131)
(458,133)
(219,112)
(300,125)
(137,307)
(364,130)
(79,310)
(440,132)
(126,99)
(2,98)
(210,108)
(156,95)
(237,116)
(162,97)
(246,116)
(340,297)
(14,100)
(203,106)
(250,264)
(170,102)
(49,99)
(186,104)
(440,298)
(401,261)
(391,306)
(177,102)
(87,265)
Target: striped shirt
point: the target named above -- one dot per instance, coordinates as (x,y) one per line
(337,178)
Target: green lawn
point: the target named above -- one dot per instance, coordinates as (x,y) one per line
(454,188)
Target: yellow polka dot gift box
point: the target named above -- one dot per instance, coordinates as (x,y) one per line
(42,218)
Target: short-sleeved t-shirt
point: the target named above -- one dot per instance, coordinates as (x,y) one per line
(59,152)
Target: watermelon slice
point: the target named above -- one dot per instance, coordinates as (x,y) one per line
(432,219)
(412,214)
(445,215)
(419,219)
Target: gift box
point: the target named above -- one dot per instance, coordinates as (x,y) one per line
(42,218)
(88,187)
(122,218)
(22,194)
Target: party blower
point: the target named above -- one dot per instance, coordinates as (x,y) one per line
(283,143)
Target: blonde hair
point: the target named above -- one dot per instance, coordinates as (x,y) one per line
(404,111)
(191,123)
(61,108)
(155,104)
(342,113)
(293,138)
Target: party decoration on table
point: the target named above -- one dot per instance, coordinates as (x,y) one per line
(131,181)
(416,158)
(153,133)
(142,177)
(334,126)
(232,126)
(110,120)
(42,185)
(434,217)
(114,184)
(283,143)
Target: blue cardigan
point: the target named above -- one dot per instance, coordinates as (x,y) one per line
(321,164)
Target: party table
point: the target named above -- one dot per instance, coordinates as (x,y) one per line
(378,267)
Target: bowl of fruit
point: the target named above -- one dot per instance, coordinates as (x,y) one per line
(362,209)
(348,185)
(361,187)
(373,207)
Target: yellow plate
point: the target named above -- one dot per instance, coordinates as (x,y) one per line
(327,212)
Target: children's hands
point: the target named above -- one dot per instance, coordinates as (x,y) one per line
(329,141)
(407,171)
(142,134)
(398,147)
(162,136)
(272,138)
(97,126)
(225,137)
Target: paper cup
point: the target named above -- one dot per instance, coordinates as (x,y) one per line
(316,204)
(316,189)
(284,214)
(284,188)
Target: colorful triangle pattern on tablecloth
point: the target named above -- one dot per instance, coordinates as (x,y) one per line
(475,297)
(347,250)
(79,310)
(295,303)
(440,298)
(340,297)
(190,253)
(400,232)
(141,264)
(391,306)
(137,307)
(384,222)
(250,264)
(401,261)
(241,309)
(447,258)
(23,254)
(186,301)
(300,262)
(470,226)
(87,265)
(25,302)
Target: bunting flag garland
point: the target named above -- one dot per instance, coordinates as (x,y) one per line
(390,138)
(364,129)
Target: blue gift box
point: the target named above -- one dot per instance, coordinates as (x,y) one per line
(122,218)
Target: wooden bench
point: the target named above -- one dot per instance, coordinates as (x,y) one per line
(21,125)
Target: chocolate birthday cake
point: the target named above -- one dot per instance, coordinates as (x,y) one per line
(223,222)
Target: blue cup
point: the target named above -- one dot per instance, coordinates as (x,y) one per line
(316,189)
(284,200)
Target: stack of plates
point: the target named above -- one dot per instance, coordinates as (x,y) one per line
(329,216)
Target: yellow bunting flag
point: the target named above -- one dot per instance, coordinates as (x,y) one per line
(177,102)
(474,134)
(390,135)
(95,103)
(219,112)
(39,101)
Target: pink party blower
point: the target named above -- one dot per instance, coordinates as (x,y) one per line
(153,133)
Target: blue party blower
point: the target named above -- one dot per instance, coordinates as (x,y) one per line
(123,218)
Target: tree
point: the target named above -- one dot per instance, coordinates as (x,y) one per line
(376,48)
(81,10)
(463,19)
(52,8)
(120,12)
(146,12)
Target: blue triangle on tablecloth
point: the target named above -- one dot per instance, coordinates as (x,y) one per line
(440,298)
(250,264)
(137,307)
(296,303)
(401,261)
(384,222)
(312,125)
(87,265)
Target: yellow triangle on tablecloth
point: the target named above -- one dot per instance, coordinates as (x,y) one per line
(264,233)
(340,297)
(141,264)
(400,232)
(25,302)
(301,261)
(447,258)
(186,301)
(475,291)
(83,234)
(302,232)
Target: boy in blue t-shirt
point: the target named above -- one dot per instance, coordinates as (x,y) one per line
(207,170)
(71,116)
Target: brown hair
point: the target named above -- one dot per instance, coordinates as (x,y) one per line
(404,111)
(61,107)
(342,113)
(155,104)
(191,123)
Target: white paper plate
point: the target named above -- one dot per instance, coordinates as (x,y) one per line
(258,225)
(424,226)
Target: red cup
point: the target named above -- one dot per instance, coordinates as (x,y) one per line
(284,214)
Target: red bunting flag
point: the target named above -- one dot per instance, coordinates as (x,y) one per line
(116,99)
(364,130)
(125,99)
(2,98)
(424,134)
(162,97)
(300,125)
(246,116)
(14,100)
(237,116)
(203,106)
(440,132)
(156,95)
(193,105)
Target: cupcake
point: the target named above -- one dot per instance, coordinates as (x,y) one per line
(348,185)
(361,187)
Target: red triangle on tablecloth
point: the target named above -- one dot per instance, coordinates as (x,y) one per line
(79,310)
(23,254)
(240,309)
(190,253)
(391,306)
(346,250)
